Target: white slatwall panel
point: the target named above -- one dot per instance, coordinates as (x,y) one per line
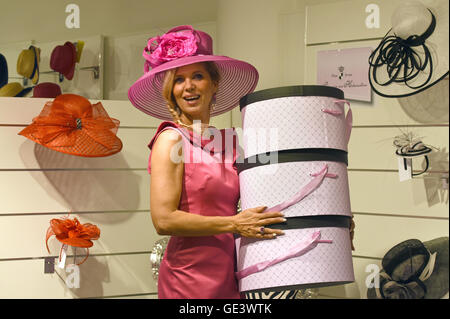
(386,211)
(121,232)
(38,184)
(345,20)
(100,276)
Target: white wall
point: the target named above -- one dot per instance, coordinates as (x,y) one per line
(386,211)
(44,20)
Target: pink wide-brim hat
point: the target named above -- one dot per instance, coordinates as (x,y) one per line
(182,46)
(63,59)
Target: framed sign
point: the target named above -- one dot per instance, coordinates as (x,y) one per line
(346,69)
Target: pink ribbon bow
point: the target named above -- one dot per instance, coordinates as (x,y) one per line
(296,251)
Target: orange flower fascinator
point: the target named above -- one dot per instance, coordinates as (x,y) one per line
(71,232)
(71,124)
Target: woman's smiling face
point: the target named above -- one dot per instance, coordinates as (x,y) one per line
(193,90)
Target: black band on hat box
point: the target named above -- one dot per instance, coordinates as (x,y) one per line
(288,91)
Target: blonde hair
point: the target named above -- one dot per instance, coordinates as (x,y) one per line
(167,90)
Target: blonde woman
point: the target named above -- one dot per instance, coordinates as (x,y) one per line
(195,188)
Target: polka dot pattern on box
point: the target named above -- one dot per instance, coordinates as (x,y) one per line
(268,125)
(270,185)
(325,265)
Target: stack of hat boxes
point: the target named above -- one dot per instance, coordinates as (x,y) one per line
(295,154)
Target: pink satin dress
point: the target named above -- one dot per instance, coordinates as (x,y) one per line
(203,267)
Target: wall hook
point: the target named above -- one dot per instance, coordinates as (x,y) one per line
(49,265)
(95,69)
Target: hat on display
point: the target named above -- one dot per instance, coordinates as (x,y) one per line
(71,232)
(28,63)
(71,124)
(63,59)
(14,89)
(3,71)
(179,47)
(79,45)
(410,147)
(414,270)
(47,90)
(414,53)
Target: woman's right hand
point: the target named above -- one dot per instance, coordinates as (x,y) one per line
(251,223)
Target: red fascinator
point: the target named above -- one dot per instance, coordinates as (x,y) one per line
(71,124)
(71,232)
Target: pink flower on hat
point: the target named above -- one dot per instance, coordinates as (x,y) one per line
(168,47)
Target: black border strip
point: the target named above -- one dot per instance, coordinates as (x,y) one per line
(287,91)
(317,221)
(293,155)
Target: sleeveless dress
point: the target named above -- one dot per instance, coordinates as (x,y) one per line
(203,267)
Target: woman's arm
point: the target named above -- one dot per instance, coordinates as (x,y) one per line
(165,194)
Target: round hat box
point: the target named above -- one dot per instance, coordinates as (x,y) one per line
(307,116)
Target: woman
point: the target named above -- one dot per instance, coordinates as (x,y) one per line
(195,201)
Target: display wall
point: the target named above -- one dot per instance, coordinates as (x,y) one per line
(386,211)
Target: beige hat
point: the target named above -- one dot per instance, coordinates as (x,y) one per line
(14,89)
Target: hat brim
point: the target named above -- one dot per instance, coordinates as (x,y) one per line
(24,92)
(237,79)
(85,145)
(37,54)
(437,43)
(14,89)
(69,74)
(438,283)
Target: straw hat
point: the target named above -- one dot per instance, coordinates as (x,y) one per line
(14,89)
(182,46)
(414,53)
(28,63)
(71,124)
